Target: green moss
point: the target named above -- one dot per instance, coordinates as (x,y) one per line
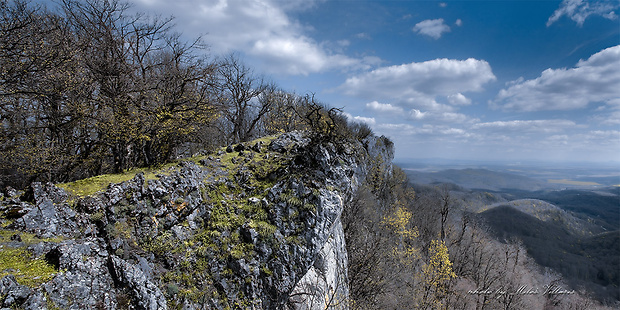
(266,270)
(50,304)
(242,250)
(96,216)
(90,186)
(5,222)
(264,228)
(293,239)
(309,207)
(227,159)
(27,238)
(265,141)
(161,245)
(294,215)
(172,289)
(28,271)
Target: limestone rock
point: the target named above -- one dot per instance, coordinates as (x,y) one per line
(246,231)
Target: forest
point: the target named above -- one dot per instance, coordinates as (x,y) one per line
(92,89)
(586,257)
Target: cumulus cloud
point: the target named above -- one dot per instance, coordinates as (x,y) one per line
(261,28)
(579,10)
(596,79)
(361,119)
(458,22)
(419,84)
(417,114)
(455,118)
(301,55)
(376,106)
(433,28)
(406,128)
(458,99)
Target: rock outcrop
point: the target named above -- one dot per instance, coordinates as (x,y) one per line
(255,226)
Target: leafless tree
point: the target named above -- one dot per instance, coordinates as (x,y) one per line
(240,89)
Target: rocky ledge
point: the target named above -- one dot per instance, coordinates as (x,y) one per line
(253,226)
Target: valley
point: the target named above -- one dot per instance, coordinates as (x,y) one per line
(568,218)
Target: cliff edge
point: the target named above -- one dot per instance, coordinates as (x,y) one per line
(253,226)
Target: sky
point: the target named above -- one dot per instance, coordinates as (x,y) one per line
(472,80)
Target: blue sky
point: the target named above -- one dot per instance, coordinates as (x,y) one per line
(485,80)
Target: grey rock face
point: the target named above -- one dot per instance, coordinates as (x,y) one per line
(85,282)
(50,216)
(290,141)
(325,284)
(147,295)
(241,232)
(13,292)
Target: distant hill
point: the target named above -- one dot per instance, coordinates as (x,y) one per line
(550,213)
(604,180)
(601,207)
(583,261)
(478,179)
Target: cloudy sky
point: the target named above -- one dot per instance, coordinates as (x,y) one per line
(488,80)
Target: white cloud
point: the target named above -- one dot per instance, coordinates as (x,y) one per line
(440,117)
(596,79)
(458,22)
(528,126)
(261,28)
(611,118)
(361,119)
(459,99)
(433,28)
(427,133)
(396,127)
(417,114)
(453,131)
(608,137)
(301,55)
(426,103)
(417,85)
(579,10)
(603,141)
(608,114)
(376,106)
(443,4)
(455,118)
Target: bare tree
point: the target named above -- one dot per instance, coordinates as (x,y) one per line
(239,102)
(152,91)
(446,204)
(93,90)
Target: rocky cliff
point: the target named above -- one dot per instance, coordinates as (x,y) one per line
(253,226)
